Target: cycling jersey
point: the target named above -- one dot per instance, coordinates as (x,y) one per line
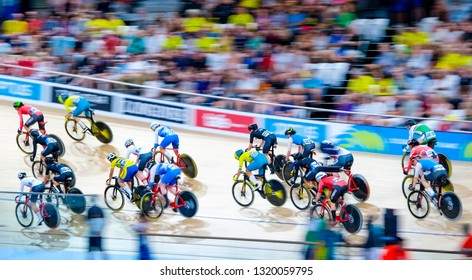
(33,112)
(306,142)
(80,103)
(167,172)
(127,166)
(255,159)
(121,162)
(34,184)
(168,137)
(48,142)
(423,151)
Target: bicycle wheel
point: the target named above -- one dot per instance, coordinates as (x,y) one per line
(361,186)
(318,211)
(405,160)
(51,215)
(189,168)
(287,172)
(24,214)
(74,130)
(418,204)
(24,143)
(38,169)
(242,193)
(300,196)
(277,195)
(62,147)
(51,196)
(76,201)
(279,161)
(451,206)
(354,218)
(407,181)
(103,132)
(152,210)
(114,198)
(444,161)
(190,204)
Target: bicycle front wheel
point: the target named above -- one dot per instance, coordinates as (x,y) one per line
(24,143)
(407,182)
(242,193)
(51,215)
(38,169)
(318,211)
(418,204)
(300,196)
(24,214)
(74,130)
(114,198)
(103,132)
(150,209)
(278,195)
(451,206)
(361,187)
(352,217)
(287,172)
(188,165)
(187,204)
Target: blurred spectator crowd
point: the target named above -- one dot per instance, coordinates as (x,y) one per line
(397,58)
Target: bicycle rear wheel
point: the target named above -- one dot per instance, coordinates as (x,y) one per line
(150,209)
(242,193)
(444,161)
(277,195)
(74,130)
(318,211)
(362,192)
(24,214)
(451,206)
(62,147)
(354,218)
(190,204)
(407,181)
(24,143)
(418,204)
(287,172)
(189,168)
(300,196)
(51,215)
(75,200)
(279,162)
(114,198)
(103,132)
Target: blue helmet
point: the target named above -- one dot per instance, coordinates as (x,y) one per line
(410,123)
(63,97)
(34,133)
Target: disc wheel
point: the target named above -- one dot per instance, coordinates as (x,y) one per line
(103,132)
(444,161)
(361,186)
(62,147)
(75,200)
(190,204)
(51,215)
(277,195)
(354,219)
(451,206)
(189,168)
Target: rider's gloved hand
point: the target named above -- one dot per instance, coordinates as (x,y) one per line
(235,178)
(19,131)
(31,158)
(292,172)
(405,171)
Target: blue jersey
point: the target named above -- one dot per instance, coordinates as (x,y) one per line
(301,140)
(260,133)
(43,140)
(57,168)
(430,165)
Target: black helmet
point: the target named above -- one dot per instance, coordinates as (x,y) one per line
(252,126)
(413,142)
(34,133)
(49,160)
(410,123)
(21,175)
(290,131)
(17,104)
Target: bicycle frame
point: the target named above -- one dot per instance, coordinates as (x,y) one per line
(156,191)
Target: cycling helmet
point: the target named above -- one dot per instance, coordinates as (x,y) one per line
(319,176)
(252,126)
(111,156)
(21,175)
(34,133)
(155,125)
(129,142)
(18,104)
(297,156)
(238,153)
(49,160)
(63,97)
(326,144)
(410,123)
(290,131)
(413,142)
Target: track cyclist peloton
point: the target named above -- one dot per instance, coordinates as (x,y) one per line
(36,116)
(417,149)
(333,187)
(168,136)
(305,144)
(127,170)
(51,146)
(60,171)
(255,160)
(268,140)
(166,176)
(142,158)
(36,186)
(81,104)
(426,136)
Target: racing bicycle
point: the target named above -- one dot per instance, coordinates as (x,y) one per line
(78,130)
(73,198)
(443,160)
(25,143)
(25,214)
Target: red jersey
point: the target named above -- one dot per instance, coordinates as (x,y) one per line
(424,151)
(329,182)
(27,110)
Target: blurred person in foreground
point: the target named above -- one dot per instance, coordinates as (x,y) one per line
(141,228)
(466,246)
(396,251)
(96,223)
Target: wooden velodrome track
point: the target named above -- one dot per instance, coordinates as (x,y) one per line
(218,215)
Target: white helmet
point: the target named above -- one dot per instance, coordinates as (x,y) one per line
(155,125)
(319,176)
(129,142)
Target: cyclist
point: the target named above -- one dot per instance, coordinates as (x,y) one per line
(311,168)
(427,170)
(425,133)
(51,146)
(166,176)
(333,187)
(268,140)
(127,170)
(62,174)
(416,149)
(81,105)
(256,160)
(168,137)
(305,144)
(343,158)
(36,116)
(36,186)
(141,158)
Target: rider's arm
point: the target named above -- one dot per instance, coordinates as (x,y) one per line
(289,148)
(20,114)
(156,139)
(418,169)
(35,142)
(152,176)
(69,102)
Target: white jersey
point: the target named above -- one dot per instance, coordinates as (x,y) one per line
(29,182)
(133,150)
